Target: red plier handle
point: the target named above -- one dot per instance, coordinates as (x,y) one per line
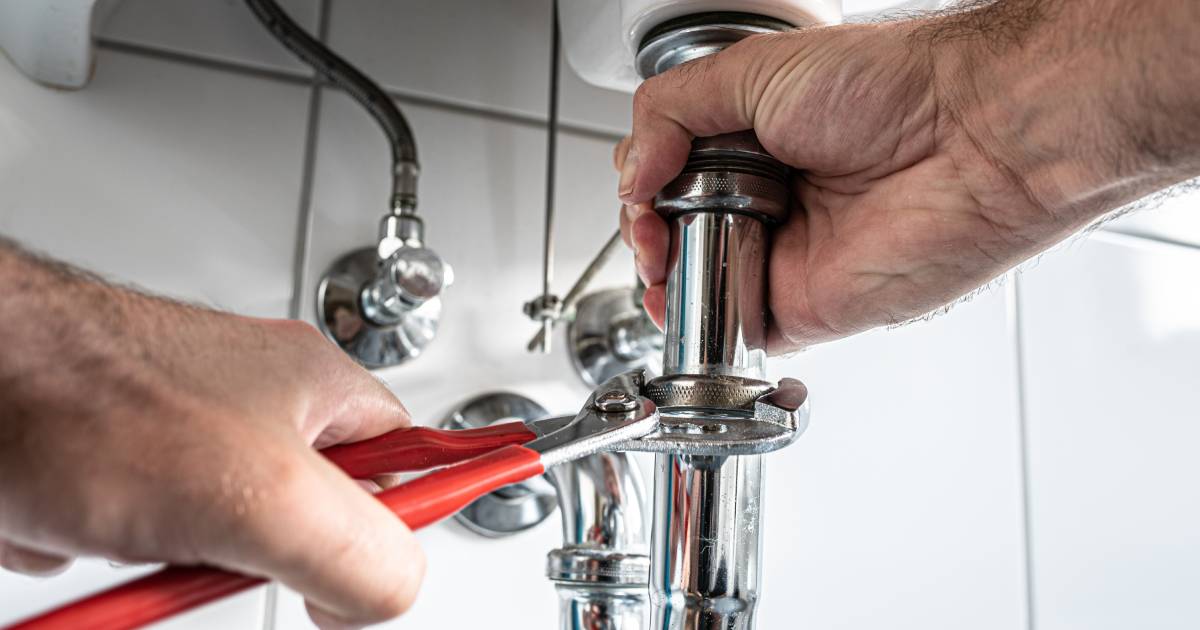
(421,448)
(489,458)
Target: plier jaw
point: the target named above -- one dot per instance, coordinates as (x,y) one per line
(615,413)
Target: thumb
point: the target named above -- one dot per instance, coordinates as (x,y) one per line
(352,559)
(321,534)
(375,570)
(364,408)
(712,95)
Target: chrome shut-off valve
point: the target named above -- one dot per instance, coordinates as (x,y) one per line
(382,305)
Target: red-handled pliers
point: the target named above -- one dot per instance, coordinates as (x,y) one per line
(476,461)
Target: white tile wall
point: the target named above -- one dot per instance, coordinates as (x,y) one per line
(1176,219)
(129,176)
(490,54)
(216,29)
(901,507)
(1112,369)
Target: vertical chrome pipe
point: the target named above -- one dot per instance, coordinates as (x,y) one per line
(705,544)
(706,540)
(715,322)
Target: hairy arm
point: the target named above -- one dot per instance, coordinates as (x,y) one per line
(1088,104)
(142,429)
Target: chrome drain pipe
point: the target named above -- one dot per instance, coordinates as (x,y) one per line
(706,540)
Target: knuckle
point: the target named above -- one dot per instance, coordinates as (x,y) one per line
(643,97)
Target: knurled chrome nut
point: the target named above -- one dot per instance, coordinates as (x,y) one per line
(598,566)
(616,401)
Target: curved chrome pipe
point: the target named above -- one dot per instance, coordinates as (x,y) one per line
(602,568)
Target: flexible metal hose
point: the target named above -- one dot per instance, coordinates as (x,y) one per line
(361,88)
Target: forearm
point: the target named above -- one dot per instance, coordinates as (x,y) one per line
(64,330)
(1090,104)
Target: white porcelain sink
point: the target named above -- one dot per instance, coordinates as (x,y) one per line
(601,36)
(51,40)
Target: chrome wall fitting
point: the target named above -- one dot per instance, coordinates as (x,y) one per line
(383,312)
(513,508)
(610,333)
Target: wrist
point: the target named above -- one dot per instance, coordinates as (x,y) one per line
(1072,101)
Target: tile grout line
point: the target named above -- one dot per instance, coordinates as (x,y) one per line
(403,96)
(300,259)
(274,74)
(1148,238)
(1018,341)
(304,223)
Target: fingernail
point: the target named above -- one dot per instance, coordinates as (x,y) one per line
(638,267)
(633,211)
(628,173)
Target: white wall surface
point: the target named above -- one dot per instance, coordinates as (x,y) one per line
(1041,430)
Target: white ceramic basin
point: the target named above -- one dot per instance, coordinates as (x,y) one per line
(51,40)
(601,36)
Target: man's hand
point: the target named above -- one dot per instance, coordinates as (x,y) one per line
(931,155)
(140,429)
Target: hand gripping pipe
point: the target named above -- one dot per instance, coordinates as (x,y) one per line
(706,539)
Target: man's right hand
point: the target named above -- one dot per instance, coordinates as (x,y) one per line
(931,155)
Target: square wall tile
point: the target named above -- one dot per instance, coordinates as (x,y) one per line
(1111,329)
(218,29)
(179,179)
(491,54)
(900,506)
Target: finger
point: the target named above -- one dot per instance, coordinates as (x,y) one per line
(323,536)
(623,220)
(651,244)
(369,485)
(390,480)
(367,408)
(630,215)
(326,620)
(620,151)
(655,303)
(20,559)
(706,97)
